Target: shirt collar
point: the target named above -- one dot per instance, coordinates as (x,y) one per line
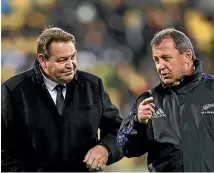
(49,83)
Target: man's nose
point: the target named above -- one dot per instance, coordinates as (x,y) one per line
(69,64)
(161,65)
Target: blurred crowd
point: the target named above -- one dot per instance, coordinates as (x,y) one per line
(113,41)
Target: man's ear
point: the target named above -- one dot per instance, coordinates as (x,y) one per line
(42,62)
(188,56)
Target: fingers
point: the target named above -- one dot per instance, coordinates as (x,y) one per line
(103,166)
(152,105)
(144,119)
(145,110)
(100,165)
(88,159)
(96,158)
(94,165)
(90,162)
(87,156)
(147,100)
(145,116)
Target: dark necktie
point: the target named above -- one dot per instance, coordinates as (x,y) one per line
(59,98)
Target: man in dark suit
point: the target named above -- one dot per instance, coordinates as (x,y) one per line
(51,113)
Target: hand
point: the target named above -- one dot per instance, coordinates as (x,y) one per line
(96,158)
(145,110)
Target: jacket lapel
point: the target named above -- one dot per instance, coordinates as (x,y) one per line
(46,97)
(71,101)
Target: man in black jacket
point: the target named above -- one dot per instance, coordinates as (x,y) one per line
(51,114)
(173,122)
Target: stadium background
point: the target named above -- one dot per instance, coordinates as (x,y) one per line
(112,41)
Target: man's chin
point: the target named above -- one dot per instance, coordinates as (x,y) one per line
(66,79)
(167,81)
(170,82)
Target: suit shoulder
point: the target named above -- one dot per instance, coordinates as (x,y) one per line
(88,77)
(16,80)
(208,80)
(208,77)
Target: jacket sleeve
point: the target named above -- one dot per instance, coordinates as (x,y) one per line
(132,137)
(109,126)
(9,163)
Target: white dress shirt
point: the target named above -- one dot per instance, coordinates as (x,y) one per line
(51,88)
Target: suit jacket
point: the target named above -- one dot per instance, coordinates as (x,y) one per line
(36,138)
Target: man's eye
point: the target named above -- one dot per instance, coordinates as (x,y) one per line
(156,60)
(61,60)
(167,58)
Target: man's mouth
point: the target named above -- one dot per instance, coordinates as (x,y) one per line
(165,75)
(69,72)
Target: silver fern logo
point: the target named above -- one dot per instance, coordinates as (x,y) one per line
(206,109)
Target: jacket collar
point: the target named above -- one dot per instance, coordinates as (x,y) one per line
(188,82)
(37,73)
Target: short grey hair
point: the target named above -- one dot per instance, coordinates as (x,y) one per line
(182,42)
(50,34)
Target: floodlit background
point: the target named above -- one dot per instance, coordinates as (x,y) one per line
(112,41)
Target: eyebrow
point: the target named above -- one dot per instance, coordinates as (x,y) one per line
(163,56)
(166,56)
(74,54)
(69,56)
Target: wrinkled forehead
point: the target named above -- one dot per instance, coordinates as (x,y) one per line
(62,48)
(166,46)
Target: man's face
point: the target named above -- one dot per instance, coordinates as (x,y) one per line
(62,63)
(170,63)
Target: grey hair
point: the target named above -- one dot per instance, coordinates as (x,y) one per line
(50,34)
(182,42)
